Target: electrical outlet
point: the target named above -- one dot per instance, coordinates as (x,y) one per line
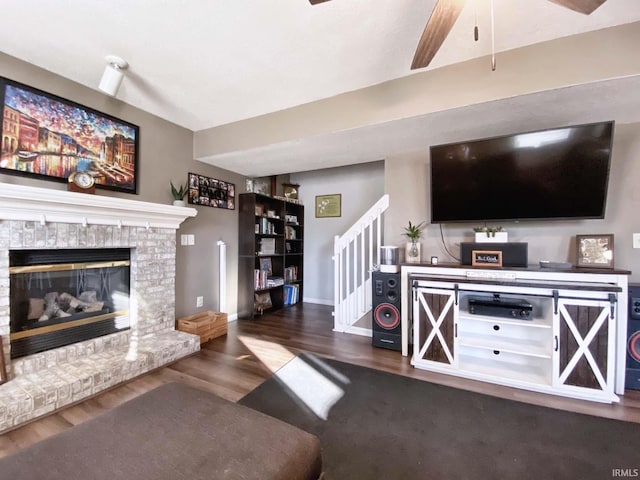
(199,301)
(636,240)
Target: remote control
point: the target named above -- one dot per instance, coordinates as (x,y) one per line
(556,265)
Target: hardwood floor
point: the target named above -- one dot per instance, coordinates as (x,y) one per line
(233,365)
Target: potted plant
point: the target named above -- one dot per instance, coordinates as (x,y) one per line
(178,194)
(490,235)
(412,250)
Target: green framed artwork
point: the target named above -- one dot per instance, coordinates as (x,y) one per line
(329,205)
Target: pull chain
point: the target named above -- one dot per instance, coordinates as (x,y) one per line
(493,40)
(475,28)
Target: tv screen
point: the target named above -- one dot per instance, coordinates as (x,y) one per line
(561,173)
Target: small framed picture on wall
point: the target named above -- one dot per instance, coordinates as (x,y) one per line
(329,205)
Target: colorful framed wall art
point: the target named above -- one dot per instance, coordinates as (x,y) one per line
(48,137)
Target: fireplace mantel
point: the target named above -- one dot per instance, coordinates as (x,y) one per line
(44,205)
(51,219)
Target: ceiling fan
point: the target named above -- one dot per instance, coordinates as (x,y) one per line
(445,14)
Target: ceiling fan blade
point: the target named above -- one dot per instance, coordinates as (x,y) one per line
(315,2)
(440,23)
(581,6)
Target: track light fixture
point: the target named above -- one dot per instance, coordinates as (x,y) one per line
(113,75)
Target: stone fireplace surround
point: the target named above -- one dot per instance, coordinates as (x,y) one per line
(32,217)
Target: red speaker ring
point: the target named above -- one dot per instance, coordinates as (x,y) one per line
(634,343)
(396,316)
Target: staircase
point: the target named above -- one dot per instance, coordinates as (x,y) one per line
(355,254)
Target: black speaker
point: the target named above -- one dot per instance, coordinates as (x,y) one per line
(514,254)
(386,310)
(632,378)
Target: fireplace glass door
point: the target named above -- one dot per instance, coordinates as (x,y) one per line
(59,297)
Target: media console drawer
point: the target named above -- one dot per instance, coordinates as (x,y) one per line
(525,337)
(508,365)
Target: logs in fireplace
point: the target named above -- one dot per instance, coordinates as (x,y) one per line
(59,297)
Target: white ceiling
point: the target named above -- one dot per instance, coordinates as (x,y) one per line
(205,63)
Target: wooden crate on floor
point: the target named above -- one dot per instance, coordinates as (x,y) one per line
(207,325)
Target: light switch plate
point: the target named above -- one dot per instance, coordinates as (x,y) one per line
(636,240)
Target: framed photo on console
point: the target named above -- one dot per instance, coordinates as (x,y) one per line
(486,258)
(594,251)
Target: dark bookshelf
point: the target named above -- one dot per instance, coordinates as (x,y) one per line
(270,239)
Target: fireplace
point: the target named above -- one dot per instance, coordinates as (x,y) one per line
(39,227)
(63,296)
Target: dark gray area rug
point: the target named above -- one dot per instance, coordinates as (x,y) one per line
(376,425)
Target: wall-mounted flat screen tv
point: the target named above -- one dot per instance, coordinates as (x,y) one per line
(560,173)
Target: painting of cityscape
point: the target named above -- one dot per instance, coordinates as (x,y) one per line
(211,192)
(50,137)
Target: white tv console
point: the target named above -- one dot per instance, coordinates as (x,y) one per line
(574,345)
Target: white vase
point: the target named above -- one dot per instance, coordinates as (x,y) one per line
(412,252)
(179,203)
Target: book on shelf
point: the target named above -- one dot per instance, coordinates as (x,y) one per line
(260,279)
(265,264)
(291,273)
(274,282)
(291,294)
(267,246)
(266,227)
(289,233)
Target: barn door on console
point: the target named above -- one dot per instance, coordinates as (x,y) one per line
(433,326)
(584,345)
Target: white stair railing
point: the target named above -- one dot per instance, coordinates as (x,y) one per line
(355,253)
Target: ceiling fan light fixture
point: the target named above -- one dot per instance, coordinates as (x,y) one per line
(113,75)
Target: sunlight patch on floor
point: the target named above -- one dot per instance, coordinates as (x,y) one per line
(272,355)
(306,383)
(315,390)
(329,369)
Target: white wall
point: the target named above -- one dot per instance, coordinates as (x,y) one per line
(360,186)
(407,183)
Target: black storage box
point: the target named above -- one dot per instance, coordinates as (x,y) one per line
(514,254)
